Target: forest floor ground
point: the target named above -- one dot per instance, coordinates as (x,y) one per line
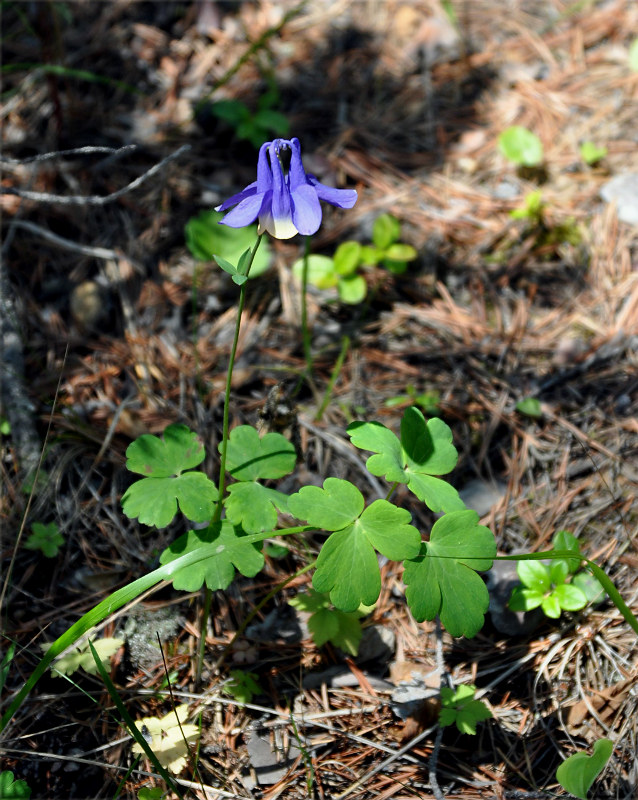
(405,103)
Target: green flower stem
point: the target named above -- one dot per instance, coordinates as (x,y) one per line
(229,378)
(249,617)
(305,331)
(345,344)
(208,595)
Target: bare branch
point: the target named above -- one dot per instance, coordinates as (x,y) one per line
(76,151)
(96,200)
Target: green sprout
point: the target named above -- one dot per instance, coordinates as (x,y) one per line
(242,686)
(577,773)
(591,153)
(554,587)
(520,146)
(329,624)
(342,270)
(459,707)
(253,126)
(46,538)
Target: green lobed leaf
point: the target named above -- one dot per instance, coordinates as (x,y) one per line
(154,501)
(323,625)
(154,457)
(388,459)
(578,772)
(242,686)
(385,231)
(46,538)
(229,550)
(254,506)
(332,508)
(443,578)
(13,790)
(347,258)
(81,657)
(237,272)
(251,457)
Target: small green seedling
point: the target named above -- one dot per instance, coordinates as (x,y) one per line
(207,240)
(328,624)
(578,772)
(551,586)
(341,271)
(254,127)
(242,686)
(531,210)
(169,737)
(520,146)
(591,153)
(530,407)
(82,658)
(5,427)
(13,790)
(46,538)
(428,401)
(459,707)
(150,793)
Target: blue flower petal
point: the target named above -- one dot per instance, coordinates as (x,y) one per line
(247,211)
(342,198)
(306,210)
(249,191)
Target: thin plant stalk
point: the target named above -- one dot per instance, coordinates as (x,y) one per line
(345,345)
(208,595)
(305,331)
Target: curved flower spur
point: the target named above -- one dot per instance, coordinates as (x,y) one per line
(285,201)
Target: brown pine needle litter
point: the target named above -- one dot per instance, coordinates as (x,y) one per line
(395,99)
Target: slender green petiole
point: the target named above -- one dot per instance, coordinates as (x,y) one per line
(305,330)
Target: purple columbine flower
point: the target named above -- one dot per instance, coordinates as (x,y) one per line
(286,202)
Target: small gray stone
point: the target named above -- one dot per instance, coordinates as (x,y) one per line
(623,191)
(481,495)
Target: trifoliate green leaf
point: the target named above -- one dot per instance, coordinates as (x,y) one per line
(327,624)
(443,580)
(425,450)
(254,506)
(242,686)
(154,499)
(238,272)
(347,566)
(170,736)
(577,773)
(458,706)
(228,550)
(81,657)
(46,538)
(251,457)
